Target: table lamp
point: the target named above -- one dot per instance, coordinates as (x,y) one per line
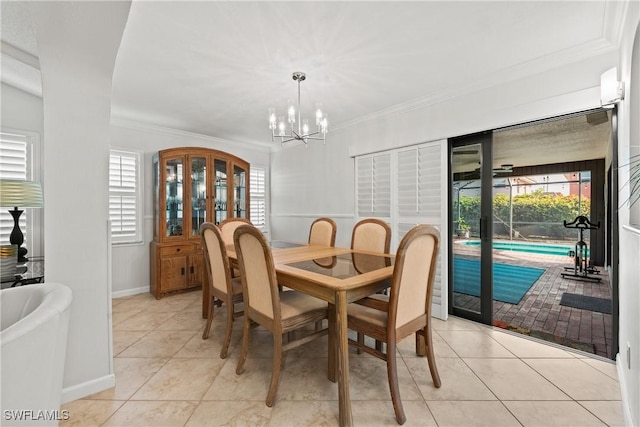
(19,194)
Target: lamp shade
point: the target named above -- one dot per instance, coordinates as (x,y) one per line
(20,194)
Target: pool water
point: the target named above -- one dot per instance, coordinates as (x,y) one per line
(532,248)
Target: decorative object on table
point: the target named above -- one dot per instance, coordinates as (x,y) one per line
(304,134)
(8,262)
(19,194)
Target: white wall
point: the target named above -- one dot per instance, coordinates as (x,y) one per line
(131,262)
(21,110)
(310,182)
(629,137)
(77,68)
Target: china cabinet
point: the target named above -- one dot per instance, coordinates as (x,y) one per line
(191,185)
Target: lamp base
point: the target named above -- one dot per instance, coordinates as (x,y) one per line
(16,237)
(22,259)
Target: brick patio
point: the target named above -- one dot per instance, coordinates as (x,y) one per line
(540,314)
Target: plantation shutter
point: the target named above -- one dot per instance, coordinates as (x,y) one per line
(13,165)
(422,199)
(257,197)
(123,196)
(373,196)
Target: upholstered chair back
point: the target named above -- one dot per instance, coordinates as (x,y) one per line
(228,227)
(413,275)
(372,235)
(323,232)
(216,258)
(259,281)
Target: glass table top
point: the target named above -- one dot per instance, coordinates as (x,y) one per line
(345,265)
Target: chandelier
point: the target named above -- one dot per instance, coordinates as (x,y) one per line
(279,128)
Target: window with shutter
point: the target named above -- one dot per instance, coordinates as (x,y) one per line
(124,196)
(15,160)
(374,185)
(418,179)
(257,196)
(419,183)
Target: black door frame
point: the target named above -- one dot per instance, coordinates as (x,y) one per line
(485,140)
(486,314)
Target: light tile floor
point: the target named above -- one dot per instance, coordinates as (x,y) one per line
(166,375)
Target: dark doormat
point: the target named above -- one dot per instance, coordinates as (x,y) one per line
(601,305)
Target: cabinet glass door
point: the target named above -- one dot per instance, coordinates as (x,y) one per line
(198,193)
(239,186)
(174,194)
(220,191)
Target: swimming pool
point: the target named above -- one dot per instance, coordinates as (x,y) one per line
(532,248)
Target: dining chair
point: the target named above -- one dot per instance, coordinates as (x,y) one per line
(407,310)
(277,311)
(371,235)
(221,285)
(323,232)
(227,228)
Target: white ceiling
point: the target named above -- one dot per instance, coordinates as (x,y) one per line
(215,67)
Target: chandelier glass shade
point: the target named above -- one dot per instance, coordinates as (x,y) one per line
(303,133)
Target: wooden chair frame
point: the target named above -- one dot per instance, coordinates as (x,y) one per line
(234,223)
(391,335)
(230,298)
(333,225)
(375,221)
(227,228)
(277,325)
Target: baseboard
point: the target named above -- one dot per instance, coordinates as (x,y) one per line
(79,391)
(129,292)
(626,409)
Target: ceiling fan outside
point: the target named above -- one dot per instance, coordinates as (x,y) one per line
(506,168)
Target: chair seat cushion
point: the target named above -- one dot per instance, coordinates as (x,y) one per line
(294,303)
(360,313)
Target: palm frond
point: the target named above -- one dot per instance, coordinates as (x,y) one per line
(634,180)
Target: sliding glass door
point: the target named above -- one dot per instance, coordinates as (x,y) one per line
(471,277)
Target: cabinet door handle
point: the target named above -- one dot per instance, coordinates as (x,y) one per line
(191,269)
(182,271)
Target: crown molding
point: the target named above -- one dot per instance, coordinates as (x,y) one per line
(19,54)
(20,70)
(615,13)
(127,123)
(522,70)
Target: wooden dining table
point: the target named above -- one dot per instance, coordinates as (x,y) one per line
(338,276)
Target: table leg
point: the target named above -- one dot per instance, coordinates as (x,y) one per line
(331,368)
(344,400)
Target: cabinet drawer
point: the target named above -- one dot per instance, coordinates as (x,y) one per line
(176,250)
